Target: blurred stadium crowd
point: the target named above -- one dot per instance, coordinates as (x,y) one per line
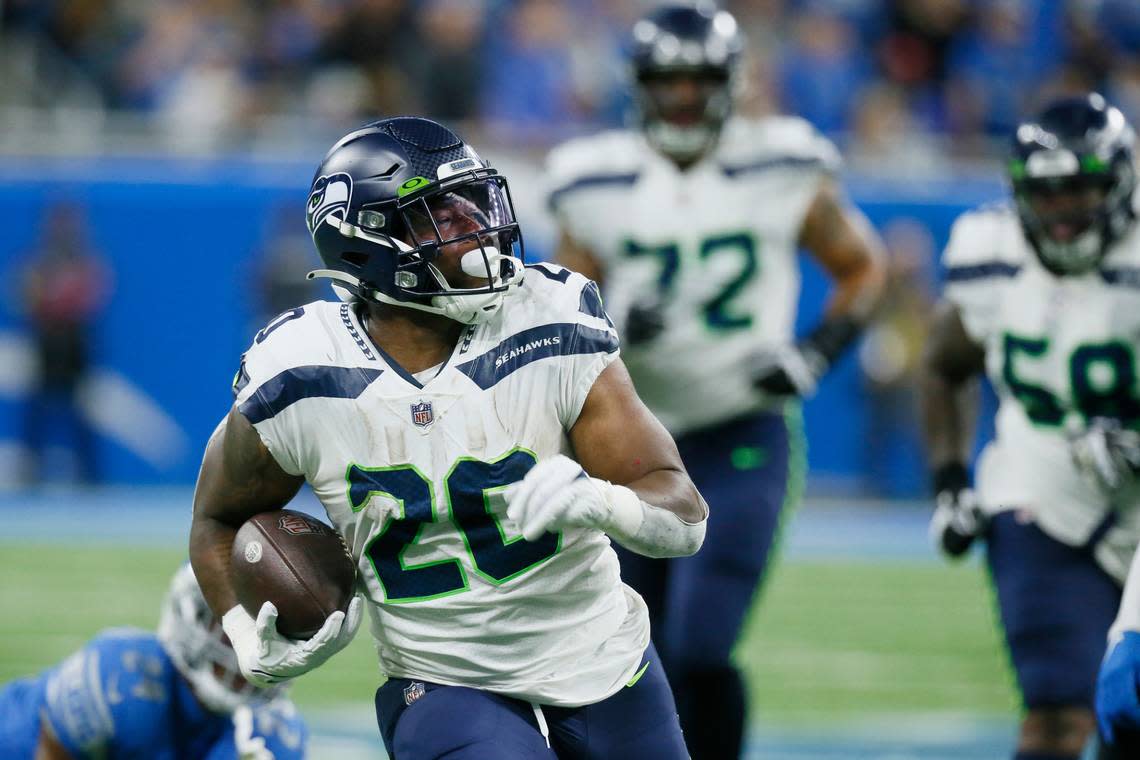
(906,80)
(916,91)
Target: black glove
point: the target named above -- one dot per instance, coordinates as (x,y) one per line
(644,322)
(957,519)
(786,371)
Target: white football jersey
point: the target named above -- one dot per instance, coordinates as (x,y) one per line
(1059,351)
(716,244)
(412,475)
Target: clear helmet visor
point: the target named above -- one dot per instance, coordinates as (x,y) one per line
(466,237)
(465,213)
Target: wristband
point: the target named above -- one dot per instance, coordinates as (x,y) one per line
(952,476)
(831,337)
(645,529)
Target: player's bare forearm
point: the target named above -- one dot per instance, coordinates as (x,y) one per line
(573,255)
(238,479)
(616,438)
(948,388)
(845,244)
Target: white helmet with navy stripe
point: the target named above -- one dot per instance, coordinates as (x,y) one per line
(379,209)
(192,636)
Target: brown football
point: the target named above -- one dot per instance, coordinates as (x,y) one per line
(297,562)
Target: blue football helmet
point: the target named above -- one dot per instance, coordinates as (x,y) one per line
(1073,178)
(685,39)
(393,196)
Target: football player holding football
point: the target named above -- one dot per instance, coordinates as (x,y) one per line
(691,224)
(430,412)
(1043,296)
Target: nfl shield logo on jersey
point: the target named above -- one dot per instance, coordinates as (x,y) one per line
(421,413)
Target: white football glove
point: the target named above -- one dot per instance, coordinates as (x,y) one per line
(248,746)
(958,519)
(557,493)
(787,371)
(1106,452)
(266,657)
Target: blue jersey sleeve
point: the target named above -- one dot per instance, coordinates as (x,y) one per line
(111,697)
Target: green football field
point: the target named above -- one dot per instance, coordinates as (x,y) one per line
(829,640)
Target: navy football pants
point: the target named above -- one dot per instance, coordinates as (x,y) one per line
(425,721)
(1056,607)
(747,470)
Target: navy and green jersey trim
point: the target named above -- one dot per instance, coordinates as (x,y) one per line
(519,350)
(778,162)
(557,274)
(1128,277)
(313,381)
(590,302)
(984,270)
(589,181)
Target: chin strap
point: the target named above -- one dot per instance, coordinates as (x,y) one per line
(468,308)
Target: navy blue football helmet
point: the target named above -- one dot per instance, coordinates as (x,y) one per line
(694,39)
(1073,178)
(390,197)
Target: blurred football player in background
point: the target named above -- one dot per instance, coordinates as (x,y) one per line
(1044,297)
(691,225)
(65,286)
(130,693)
(428,413)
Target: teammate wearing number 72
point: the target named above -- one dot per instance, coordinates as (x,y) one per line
(432,412)
(691,226)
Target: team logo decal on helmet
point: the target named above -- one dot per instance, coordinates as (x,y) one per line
(329,195)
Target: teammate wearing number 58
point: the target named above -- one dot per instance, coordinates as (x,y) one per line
(691,225)
(470,430)
(1042,295)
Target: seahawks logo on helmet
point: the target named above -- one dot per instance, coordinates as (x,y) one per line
(330,194)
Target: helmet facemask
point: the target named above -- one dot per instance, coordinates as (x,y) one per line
(1073,181)
(464,236)
(454,243)
(683,110)
(684,60)
(1072,218)
(193,638)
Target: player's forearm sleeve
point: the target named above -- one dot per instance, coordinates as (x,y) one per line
(1128,618)
(648,530)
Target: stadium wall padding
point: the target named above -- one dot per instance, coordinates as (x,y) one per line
(183,237)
